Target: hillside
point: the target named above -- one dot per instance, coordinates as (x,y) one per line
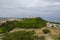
(27,23)
(39,25)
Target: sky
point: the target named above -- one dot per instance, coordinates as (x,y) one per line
(30,8)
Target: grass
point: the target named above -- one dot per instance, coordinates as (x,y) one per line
(0,30)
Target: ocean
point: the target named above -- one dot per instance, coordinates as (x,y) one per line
(53,19)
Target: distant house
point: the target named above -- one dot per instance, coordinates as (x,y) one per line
(53,25)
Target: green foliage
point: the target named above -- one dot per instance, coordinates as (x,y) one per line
(23,35)
(9,25)
(46,31)
(1,30)
(26,23)
(58,37)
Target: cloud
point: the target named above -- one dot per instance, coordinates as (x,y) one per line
(19,8)
(27,3)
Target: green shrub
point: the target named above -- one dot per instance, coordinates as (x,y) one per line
(22,35)
(0,30)
(58,37)
(46,31)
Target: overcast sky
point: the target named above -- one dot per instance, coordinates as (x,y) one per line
(30,8)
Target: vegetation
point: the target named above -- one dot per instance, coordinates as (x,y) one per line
(23,35)
(55,37)
(0,30)
(58,37)
(46,31)
(26,23)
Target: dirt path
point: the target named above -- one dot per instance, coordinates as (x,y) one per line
(36,30)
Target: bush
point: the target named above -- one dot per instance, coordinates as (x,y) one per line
(58,37)
(46,31)
(0,30)
(23,35)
